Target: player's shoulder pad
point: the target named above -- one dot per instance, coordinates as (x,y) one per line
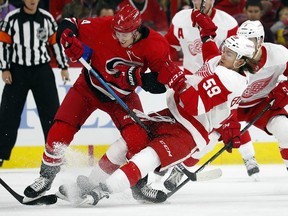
(183,18)
(224,20)
(276,53)
(232,80)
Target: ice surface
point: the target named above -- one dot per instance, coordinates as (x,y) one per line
(234,194)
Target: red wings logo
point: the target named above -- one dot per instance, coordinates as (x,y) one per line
(255,87)
(195,47)
(204,71)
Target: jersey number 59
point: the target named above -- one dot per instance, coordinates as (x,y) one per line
(211,87)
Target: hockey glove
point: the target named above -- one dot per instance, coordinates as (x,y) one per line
(130,74)
(74,49)
(280,94)
(207,27)
(230,132)
(171,75)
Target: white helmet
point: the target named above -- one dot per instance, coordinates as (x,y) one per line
(252,29)
(241,45)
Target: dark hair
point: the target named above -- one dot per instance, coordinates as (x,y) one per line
(256,3)
(104,5)
(246,67)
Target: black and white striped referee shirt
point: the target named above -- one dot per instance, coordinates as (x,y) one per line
(24,39)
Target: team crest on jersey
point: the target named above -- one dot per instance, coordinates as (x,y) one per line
(256,86)
(204,71)
(195,47)
(42,34)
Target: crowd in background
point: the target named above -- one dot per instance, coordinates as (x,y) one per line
(157,13)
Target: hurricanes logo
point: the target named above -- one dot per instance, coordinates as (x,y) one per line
(42,34)
(195,47)
(256,86)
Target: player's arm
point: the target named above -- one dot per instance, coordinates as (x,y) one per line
(67,35)
(67,23)
(207,34)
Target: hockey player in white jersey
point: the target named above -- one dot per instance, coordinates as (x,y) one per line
(270,62)
(198,104)
(183,36)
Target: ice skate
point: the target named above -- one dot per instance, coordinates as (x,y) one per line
(98,193)
(75,192)
(38,188)
(173,180)
(252,167)
(43,183)
(145,193)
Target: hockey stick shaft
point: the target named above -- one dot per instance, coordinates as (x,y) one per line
(224,147)
(43,200)
(117,98)
(190,175)
(202,6)
(11,191)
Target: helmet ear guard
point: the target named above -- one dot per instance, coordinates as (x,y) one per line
(241,45)
(128,19)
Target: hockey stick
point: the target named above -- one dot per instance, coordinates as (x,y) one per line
(43,200)
(191,176)
(229,145)
(117,98)
(202,6)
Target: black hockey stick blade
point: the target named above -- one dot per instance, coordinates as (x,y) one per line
(43,200)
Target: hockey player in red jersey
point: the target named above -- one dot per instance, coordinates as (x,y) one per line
(121,50)
(198,105)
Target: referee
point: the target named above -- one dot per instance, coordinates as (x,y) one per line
(25,35)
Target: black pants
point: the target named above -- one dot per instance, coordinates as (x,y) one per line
(41,81)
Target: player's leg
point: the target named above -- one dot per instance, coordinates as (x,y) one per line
(71,115)
(159,152)
(176,174)
(248,154)
(278,127)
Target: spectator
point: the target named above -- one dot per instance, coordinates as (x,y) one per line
(232,7)
(56,8)
(5,8)
(105,9)
(25,66)
(80,9)
(152,14)
(282,22)
(254,11)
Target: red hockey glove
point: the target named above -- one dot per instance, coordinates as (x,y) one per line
(280,94)
(74,49)
(230,131)
(130,74)
(171,75)
(208,28)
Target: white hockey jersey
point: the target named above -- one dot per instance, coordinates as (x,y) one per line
(182,35)
(273,64)
(214,93)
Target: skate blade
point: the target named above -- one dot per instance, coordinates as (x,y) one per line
(255,177)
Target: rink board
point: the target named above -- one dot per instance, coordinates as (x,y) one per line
(87,155)
(99,132)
